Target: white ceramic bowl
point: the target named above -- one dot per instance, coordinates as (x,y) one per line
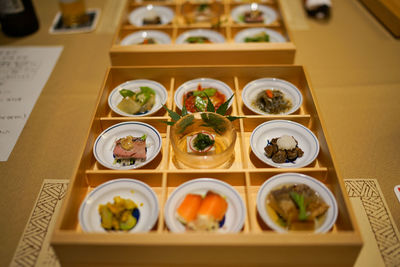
(296,178)
(213,36)
(104,145)
(306,139)
(115,97)
(234,216)
(205,82)
(135,190)
(253,88)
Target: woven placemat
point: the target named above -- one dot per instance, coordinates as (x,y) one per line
(380,234)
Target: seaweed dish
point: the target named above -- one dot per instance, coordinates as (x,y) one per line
(283,149)
(201,142)
(202,213)
(272,102)
(122,214)
(196,101)
(296,207)
(257,38)
(139,102)
(129,149)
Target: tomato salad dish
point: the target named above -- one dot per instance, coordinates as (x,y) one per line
(196,101)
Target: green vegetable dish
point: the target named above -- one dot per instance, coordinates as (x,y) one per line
(138,102)
(257,38)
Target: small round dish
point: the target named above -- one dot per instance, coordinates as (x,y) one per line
(115,97)
(274,36)
(306,139)
(136,16)
(253,88)
(234,216)
(213,36)
(139,192)
(296,178)
(138,37)
(105,143)
(205,83)
(269,14)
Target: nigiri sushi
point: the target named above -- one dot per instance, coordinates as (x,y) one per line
(187,211)
(211,212)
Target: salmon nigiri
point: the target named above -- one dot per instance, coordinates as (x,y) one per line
(187,211)
(212,210)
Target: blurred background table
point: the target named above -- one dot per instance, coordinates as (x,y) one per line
(352,60)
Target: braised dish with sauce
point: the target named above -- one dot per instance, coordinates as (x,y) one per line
(272,102)
(196,101)
(296,207)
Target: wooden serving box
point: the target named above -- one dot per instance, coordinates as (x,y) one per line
(201,54)
(255,244)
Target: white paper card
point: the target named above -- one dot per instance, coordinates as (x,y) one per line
(23,73)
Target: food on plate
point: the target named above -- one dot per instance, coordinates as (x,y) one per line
(148,41)
(203,214)
(272,102)
(195,101)
(139,102)
(197,40)
(296,207)
(129,149)
(257,38)
(123,214)
(151,17)
(201,142)
(283,149)
(253,16)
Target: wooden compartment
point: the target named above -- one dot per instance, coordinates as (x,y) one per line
(228,53)
(256,243)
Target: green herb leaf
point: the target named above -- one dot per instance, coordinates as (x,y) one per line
(126,93)
(210,105)
(213,121)
(232,118)
(169,122)
(143,137)
(224,107)
(299,200)
(174,116)
(187,121)
(184,110)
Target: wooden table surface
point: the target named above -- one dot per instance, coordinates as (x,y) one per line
(353,63)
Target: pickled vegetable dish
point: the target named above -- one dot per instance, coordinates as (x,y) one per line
(257,38)
(196,101)
(137,102)
(121,215)
(272,102)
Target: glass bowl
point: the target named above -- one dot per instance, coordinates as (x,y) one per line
(184,140)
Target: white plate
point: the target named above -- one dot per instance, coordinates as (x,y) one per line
(269,14)
(115,97)
(205,83)
(105,143)
(139,192)
(307,141)
(213,36)
(296,178)
(138,37)
(253,88)
(234,216)
(136,16)
(274,36)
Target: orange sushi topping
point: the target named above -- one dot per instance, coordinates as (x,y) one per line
(187,211)
(214,206)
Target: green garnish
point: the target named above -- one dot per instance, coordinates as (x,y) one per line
(144,95)
(207,91)
(202,7)
(299,200)
(261,37)
(213,121)
(202,141)
(199,103)
(126,93)
(197,39)
(143,137)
